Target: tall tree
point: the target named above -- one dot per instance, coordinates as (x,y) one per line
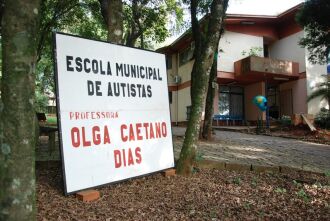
(17,140)
(206,42)
(112,12)
(81,17)
(147,19)
(315,18)
(208,116)
(140,20)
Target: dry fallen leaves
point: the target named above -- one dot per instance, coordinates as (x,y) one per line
(207,195)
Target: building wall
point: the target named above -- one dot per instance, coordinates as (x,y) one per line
(233,44)
(184,101)
(299,95)
(288,49)
(216,101)
(251,110)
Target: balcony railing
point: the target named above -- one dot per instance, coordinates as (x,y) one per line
(254,64)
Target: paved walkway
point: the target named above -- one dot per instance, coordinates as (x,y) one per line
(236,147)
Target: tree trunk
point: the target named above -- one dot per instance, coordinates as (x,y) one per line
(112,12)
(205,47)
(17,114)
(208,118)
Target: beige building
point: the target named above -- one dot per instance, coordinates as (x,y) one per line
(278,69)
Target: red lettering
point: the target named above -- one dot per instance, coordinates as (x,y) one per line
(75,137)
(96,135)
(157,130)
(124,157)
(152,135)
(106,135)
(138,159)
(131,132)
(130,157)
(146,125)
(122,128)
(117,157)
(164,129)
(86,143)
(138,131)
(71,115)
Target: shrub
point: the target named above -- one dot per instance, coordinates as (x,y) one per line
(322,119)
(285,121)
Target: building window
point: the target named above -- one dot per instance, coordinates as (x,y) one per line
(188,112)
(231,102)
(168,62)
(170,94)
(187,54)
(266,51)
(273,101)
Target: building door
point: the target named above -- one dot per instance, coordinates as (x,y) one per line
(231,102)
(286,105)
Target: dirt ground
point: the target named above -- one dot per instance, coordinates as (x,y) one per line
(302,132)
(207,195)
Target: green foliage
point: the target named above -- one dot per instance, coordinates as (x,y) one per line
(51,120)
(322,119)
(302,194)
(285,121)
(280,190)
(145,22)
(199,156)
(41,102)
(80,17)
(315,18)
(327,173)
(237,181)
(254,51)
(297,184)
(322,90)
(254,182)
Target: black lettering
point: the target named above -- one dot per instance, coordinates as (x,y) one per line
(86,60)
(119,69)
(149,91)
(143,91)
(116,89)
(78,64)
(141,72)
(101,70)
(139,89)
(68,63)
(159,77)
(95,66)
(133,93)
(154,73)
(126,70)
(90,88)
(150,72)
(123,86)
(109,89)
(133,71)
(97,87)
(109,69)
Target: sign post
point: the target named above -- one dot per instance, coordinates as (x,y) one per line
(113,111)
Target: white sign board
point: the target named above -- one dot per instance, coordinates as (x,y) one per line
(113,112)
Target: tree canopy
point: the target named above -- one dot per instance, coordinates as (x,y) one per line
(315,18)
